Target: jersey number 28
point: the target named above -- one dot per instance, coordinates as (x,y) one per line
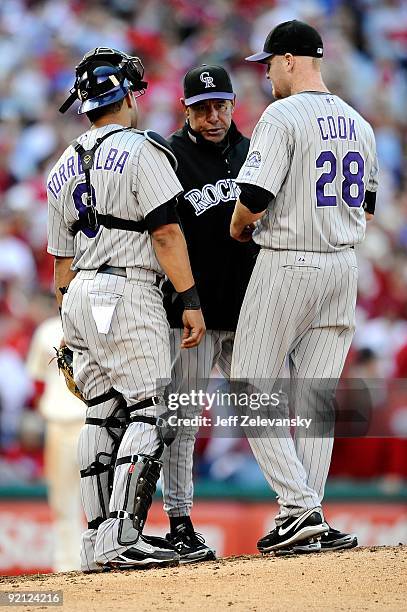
(351,178)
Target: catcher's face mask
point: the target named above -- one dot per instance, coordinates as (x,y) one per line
(105,76)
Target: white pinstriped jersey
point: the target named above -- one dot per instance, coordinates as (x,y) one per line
(130,177)
(317,156)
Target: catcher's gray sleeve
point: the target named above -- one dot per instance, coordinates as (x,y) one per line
(60,241)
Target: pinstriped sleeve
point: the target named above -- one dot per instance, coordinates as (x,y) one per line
(155,182)
(268,159)
(373,180)
(60,241)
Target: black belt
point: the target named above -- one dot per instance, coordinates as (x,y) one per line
(106,269)
(116,271)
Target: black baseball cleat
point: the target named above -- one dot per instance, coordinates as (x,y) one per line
(149,551)
(190,545)
(305,547)
(336,540)
(331,540)
(158,542)
(296,529)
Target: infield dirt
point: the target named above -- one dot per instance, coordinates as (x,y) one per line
(361,579)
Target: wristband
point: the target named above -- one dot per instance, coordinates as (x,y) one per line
(255,198)
(190,298)
(369,204)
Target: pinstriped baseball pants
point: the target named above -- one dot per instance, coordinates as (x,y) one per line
(134,358)
(297,320)
(190,368)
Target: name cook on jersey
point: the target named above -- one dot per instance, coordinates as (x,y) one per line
(235,420)
(337,127)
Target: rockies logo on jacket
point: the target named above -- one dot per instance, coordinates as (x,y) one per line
(221,266)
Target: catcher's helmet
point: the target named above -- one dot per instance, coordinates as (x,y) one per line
(105,76)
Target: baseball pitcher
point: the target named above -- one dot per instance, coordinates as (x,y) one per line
(308,184)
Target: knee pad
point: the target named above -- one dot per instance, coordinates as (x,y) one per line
(166,432)
(142,476)
(101,469)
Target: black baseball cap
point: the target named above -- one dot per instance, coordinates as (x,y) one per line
(294,37)
(207,82)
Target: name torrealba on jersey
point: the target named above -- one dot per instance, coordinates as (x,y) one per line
(123,184)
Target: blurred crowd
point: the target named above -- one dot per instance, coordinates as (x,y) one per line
(41,41)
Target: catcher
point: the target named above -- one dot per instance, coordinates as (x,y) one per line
(113,231)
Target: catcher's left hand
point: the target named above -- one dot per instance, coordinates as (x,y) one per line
(64,357)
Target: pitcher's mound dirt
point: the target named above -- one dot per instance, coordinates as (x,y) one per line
(360,579)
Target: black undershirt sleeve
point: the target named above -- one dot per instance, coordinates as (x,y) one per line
(255,198)
(162,215)
(369,204)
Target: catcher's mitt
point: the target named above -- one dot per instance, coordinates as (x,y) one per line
(64,359)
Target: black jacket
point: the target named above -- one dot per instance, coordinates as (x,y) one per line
(221,266)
